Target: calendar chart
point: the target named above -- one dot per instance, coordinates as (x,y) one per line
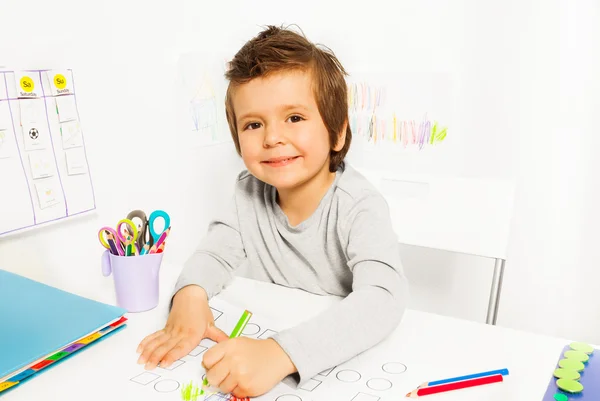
(44,171)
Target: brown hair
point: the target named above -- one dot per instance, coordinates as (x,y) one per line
(280,49)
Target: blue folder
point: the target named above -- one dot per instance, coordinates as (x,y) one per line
(36,320)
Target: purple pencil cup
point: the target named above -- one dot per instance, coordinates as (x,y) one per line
(136,279)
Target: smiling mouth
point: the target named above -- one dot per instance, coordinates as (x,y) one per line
(280,161)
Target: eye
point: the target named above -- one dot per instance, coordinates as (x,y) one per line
(296,119)
(252,126)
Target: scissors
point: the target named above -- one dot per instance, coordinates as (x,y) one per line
(154,235)
(143,234)
(111,241)
(128,236)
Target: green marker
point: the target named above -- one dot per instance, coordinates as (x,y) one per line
(237,331)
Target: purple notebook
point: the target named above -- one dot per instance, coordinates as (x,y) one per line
(590,379)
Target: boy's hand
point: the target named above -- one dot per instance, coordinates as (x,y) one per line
(190,320)
(246,367)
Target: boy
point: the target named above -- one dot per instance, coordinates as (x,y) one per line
(301,218)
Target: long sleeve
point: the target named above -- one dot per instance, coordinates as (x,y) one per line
(370,312)
(218,255)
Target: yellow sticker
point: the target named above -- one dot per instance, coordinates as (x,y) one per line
(5,385)
(89,338)
(60,81)
(27,84)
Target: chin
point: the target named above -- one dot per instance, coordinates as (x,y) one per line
(283,180)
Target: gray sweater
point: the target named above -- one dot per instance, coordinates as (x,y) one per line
(347,247)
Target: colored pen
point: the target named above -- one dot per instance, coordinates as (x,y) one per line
(503,372)
(236,332)
(455,386)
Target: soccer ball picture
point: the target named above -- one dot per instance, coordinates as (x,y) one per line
(33,133)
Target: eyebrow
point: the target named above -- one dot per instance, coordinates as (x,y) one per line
(285,107)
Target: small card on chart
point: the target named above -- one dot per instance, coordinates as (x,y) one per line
(35,136)
(67,110)
(41,163)
(76,162)
(47,193)
(71,134)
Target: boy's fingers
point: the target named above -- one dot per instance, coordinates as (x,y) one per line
(178,351)
(213,355)
(147,339)
(151,346)
(228,385)
(216,334)
(240,394)
(217,374)
(159,352)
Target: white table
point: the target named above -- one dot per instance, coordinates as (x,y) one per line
(444,346)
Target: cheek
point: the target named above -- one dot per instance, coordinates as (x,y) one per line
(315,144)
(249,148)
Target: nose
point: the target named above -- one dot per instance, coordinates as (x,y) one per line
(274,135)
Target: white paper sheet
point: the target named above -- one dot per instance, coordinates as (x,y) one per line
(377,375)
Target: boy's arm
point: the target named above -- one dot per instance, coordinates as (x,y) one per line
(218,255)
(369,313)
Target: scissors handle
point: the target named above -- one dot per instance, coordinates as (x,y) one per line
(153,216)
(142,228)
(129,238)
(109,239)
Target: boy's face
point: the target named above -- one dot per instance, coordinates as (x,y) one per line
(283,139)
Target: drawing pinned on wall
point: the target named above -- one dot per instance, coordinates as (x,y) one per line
(201,98)
(374,120)
(203,109)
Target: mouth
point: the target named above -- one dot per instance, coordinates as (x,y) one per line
(280,161)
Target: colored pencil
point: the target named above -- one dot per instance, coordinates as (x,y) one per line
(236,332)
(502,372)
(160,240)
(455,386)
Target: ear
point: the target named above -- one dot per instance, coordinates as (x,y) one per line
(341,138)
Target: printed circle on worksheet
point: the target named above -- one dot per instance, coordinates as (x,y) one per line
(583,347)
(60,81)
(379,384)
(27,84)
(566,374)
(571,365)
(394,368)
(348,376)
(251,329)
(288,397)
(570,386)
(577,356)
(560,397)
(166,386)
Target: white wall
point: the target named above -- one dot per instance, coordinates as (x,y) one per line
(526,112)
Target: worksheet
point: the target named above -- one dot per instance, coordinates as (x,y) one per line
(376,375)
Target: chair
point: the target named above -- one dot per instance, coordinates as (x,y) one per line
(456,214)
